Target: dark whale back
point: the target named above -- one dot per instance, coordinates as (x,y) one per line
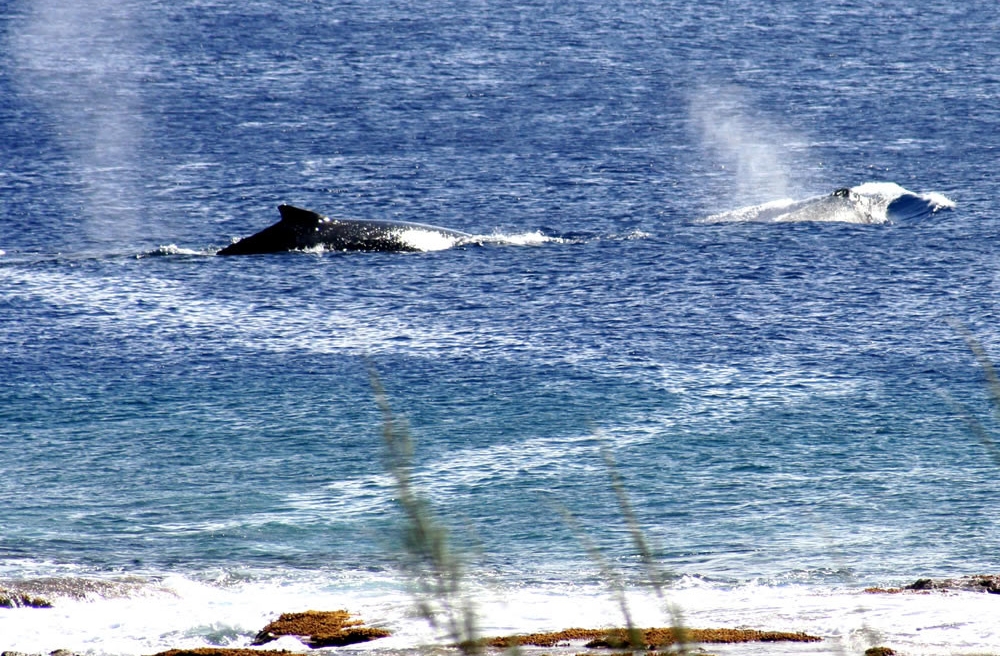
(301,229)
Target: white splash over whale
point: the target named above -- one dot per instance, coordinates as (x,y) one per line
(868,203)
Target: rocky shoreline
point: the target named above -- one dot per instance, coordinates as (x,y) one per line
(323,629)
(316,629)
(987,583)
(40,592)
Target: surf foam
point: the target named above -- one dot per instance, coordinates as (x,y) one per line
(181,612)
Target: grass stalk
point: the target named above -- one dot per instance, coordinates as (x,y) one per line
(993,386)
(654,574)
(609,576)
(433,569)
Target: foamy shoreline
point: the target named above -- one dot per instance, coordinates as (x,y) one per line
(135,617)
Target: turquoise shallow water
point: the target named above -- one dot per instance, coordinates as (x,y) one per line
(778,395)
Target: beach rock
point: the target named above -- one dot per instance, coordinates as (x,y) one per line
(320,629)
(12,599)
(920,584)
(654,638)
(980,583)
(880,651)
(989,583)
(221,651)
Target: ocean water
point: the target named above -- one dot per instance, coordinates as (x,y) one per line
(191,444)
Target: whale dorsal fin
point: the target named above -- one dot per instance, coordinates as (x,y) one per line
(299,216)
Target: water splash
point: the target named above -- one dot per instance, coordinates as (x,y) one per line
(752,147)
(79,64)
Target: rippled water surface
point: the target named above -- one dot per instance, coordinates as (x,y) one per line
(785,395)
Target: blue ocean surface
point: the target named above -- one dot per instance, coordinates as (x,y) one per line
(733,253)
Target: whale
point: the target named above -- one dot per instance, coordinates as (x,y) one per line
(302,229)
(868,203)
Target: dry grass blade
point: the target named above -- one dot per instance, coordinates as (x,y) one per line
(653,571)
(434,571)
(993,385)
(608,575)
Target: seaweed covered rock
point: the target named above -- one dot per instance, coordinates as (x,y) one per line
(320,629)
(220,651)
(652,638)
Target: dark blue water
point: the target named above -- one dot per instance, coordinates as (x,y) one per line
(782,400)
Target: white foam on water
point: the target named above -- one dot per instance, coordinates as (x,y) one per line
(179,612)
(174,249)
(535,238)
(939,201)
(850,621)
(158,306)
(427,240)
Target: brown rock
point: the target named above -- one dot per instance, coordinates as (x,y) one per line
(320,629)
(883,590)
(880,651)
(221,651)
(981,583)
(619,638)
(22,600)
(990,584)
(920,584)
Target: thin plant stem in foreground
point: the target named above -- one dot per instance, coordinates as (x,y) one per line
(654,573)
(992,384)
(614,581)
(434,570)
